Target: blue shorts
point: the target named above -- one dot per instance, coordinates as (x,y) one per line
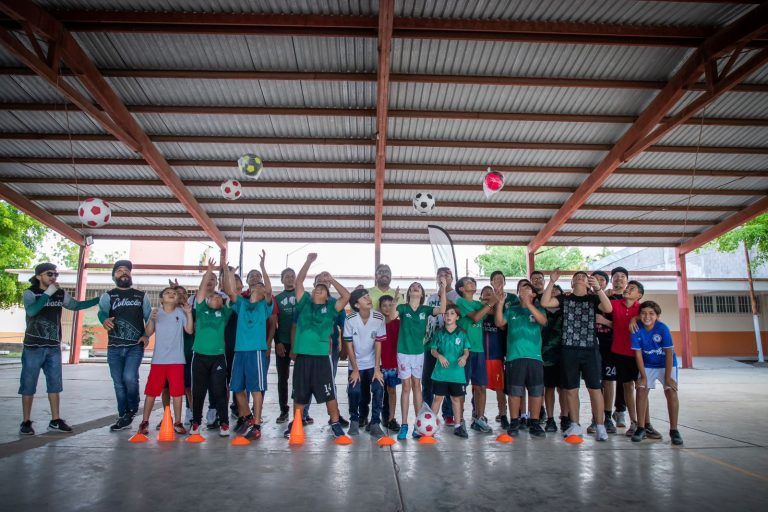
(249,371)
(475,370)
(390,377)
(33,359)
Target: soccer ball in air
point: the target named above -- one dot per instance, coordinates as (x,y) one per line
(231,189)
(424,202)
(94,212)
(426,423)
(251,166)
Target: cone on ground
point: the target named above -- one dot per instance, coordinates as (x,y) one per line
(138,438)
(386,441)
(504,438)
(166,427)
(427,440)
(195,438)
(297,429)
(344,440)
(240,441)
(574,439)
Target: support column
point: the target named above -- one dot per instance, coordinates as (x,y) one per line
(683,308)
(77,319)
(222,256)
(529,263)
(755,312)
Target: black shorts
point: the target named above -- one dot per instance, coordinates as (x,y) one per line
(626,368)
(522,374)
(608,363)
(552,376)
(443,388)
(580,363)
(313,376)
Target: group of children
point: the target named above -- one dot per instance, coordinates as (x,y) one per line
(525,346)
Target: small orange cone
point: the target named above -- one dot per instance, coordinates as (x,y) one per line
(195,438)
(344,440)
(386,441)
(166,427)
(138,438)
(240,441)
(504,438)
(574,439)
(427,440)
(297,429)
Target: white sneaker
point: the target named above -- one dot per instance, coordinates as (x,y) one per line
(188,416)
(600,433)
(194,428)
(210,416)
(224,430)
(574,430)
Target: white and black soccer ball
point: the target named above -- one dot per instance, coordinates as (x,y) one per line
(251,166)
(231,189)
(424,202)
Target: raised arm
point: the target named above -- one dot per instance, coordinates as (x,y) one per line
(605,303)
(547,301)
(478,315)
(311,257)
(343,299)
(189,327)
(267,282)
(33,305)
(228,280)
(498,314)
(443,300)
(200,295)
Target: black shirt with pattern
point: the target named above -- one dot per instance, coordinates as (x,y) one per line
(579,313)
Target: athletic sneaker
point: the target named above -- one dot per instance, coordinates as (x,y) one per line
(461,430)
(178,427)
(504,422)
(534,428)
(514,427)
(551,425)
(157,427)
(677,439)
(354,429)
(609,426)
(652,433)
(282,418)
(252,432)
(631,430)
(210,417)
(376,431)
(26,428)
(344,423)
(542,415)
(287,432)
(393,425)
(574,430)
(194,428)
(309,420)
(498,418)
(367,427)
(224,430)
(213,426)
(450,421)
(591,428)
(362,422)
(403,434)
(122,423)
(602,434)
(415,434)
(59,425)
(337,430)
(524,422)
(565,423)
(620,418)
(241,425)
(481,426)
(143,428)
(639,435)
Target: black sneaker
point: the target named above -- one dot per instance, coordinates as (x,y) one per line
(639,435)
(287,433)
(344,423)
(551,425)
(461,431)
(677,439)
(337,430)
(514,427)
(565,423)
(504,422)
(122,423)
(252,432)
(523,423)
(213,426)
(309,420)
(393,425)
(26,428)
(534,428)
(282,418)
(59,425)
(241,425)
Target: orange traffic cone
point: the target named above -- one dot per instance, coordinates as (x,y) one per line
(573,439)
(344,440)
(427,440)
(138,438)
(240,441)
(195,438)
(166,427)
(385,441)
(297,429)
(504,438)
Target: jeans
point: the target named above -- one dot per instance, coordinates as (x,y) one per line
(34,359)
(124,365)
(360,397)
(283,372)
(335,349)
(426,384)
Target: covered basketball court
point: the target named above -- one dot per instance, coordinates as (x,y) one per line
(615,123)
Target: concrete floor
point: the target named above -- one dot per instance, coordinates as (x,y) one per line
(723,466)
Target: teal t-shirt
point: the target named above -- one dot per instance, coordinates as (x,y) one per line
(413,328)
(251,324)
(474,329)
(451,345)
(314,326)
(286,303)
(209,329)
(523,334)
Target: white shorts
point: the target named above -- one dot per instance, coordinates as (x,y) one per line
(657,374)
(410,365)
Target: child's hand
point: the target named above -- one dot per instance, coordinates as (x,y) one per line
(211,264)
(261,258)
(592,280)
(377,375)
(153,315)
(443,283)
(354,377)
(642,382)
(443,361)
(311,257)
(554,275)
(669,383)
(600,319)
(633,327)
(462,361)
(187,308)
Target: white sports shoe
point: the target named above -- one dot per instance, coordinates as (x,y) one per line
(600,433)
(574,430)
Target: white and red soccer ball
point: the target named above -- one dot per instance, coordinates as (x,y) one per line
(231,189)
(426,423)
(94,212)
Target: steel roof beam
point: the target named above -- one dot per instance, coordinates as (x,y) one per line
(385,21)
(39,214)
(749,26)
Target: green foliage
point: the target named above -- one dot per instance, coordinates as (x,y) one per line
(68,253)
(511,260)
(754,234)
(20,239)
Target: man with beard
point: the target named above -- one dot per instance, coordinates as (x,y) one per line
(124,311)
(383,279)
(42,343)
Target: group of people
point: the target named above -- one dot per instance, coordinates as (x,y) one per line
(526,346)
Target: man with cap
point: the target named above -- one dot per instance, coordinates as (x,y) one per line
(124,312)
(42,343)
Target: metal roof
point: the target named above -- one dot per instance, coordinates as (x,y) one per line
(302,94)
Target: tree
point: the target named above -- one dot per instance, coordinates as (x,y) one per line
(20,240)
(511,260)
(754,234)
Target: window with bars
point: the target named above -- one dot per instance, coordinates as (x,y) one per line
(703,304)
(722,304)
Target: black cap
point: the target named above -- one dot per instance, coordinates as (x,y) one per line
(620,269)
(600,273)
(43,267)
(356,296)
(121,263)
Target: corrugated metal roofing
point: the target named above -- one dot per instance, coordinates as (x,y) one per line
(739,136)
(281,152)
(736,162)
(476,156)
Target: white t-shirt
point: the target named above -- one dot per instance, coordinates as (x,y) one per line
(434,323)
(169,337)
(364,337)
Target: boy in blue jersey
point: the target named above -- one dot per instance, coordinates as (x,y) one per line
(656,361)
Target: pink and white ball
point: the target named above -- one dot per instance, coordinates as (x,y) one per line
(94,212)
(426,423)
(231,189)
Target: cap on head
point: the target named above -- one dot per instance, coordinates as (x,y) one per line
(43,267)
(121,263)
(621,270)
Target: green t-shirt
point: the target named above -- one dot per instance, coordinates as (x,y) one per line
(474,329)
(209,329)
(511,300)
(286,303)
(314,326)
(523,334)
(413,328)
(451,345)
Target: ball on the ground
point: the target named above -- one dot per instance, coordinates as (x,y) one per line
(426,423)
(423,202)
(94,212)
(231,189)
(251,166)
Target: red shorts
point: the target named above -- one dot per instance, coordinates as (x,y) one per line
(495,369)
(159,373)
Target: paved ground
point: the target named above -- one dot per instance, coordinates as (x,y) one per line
(724,464)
